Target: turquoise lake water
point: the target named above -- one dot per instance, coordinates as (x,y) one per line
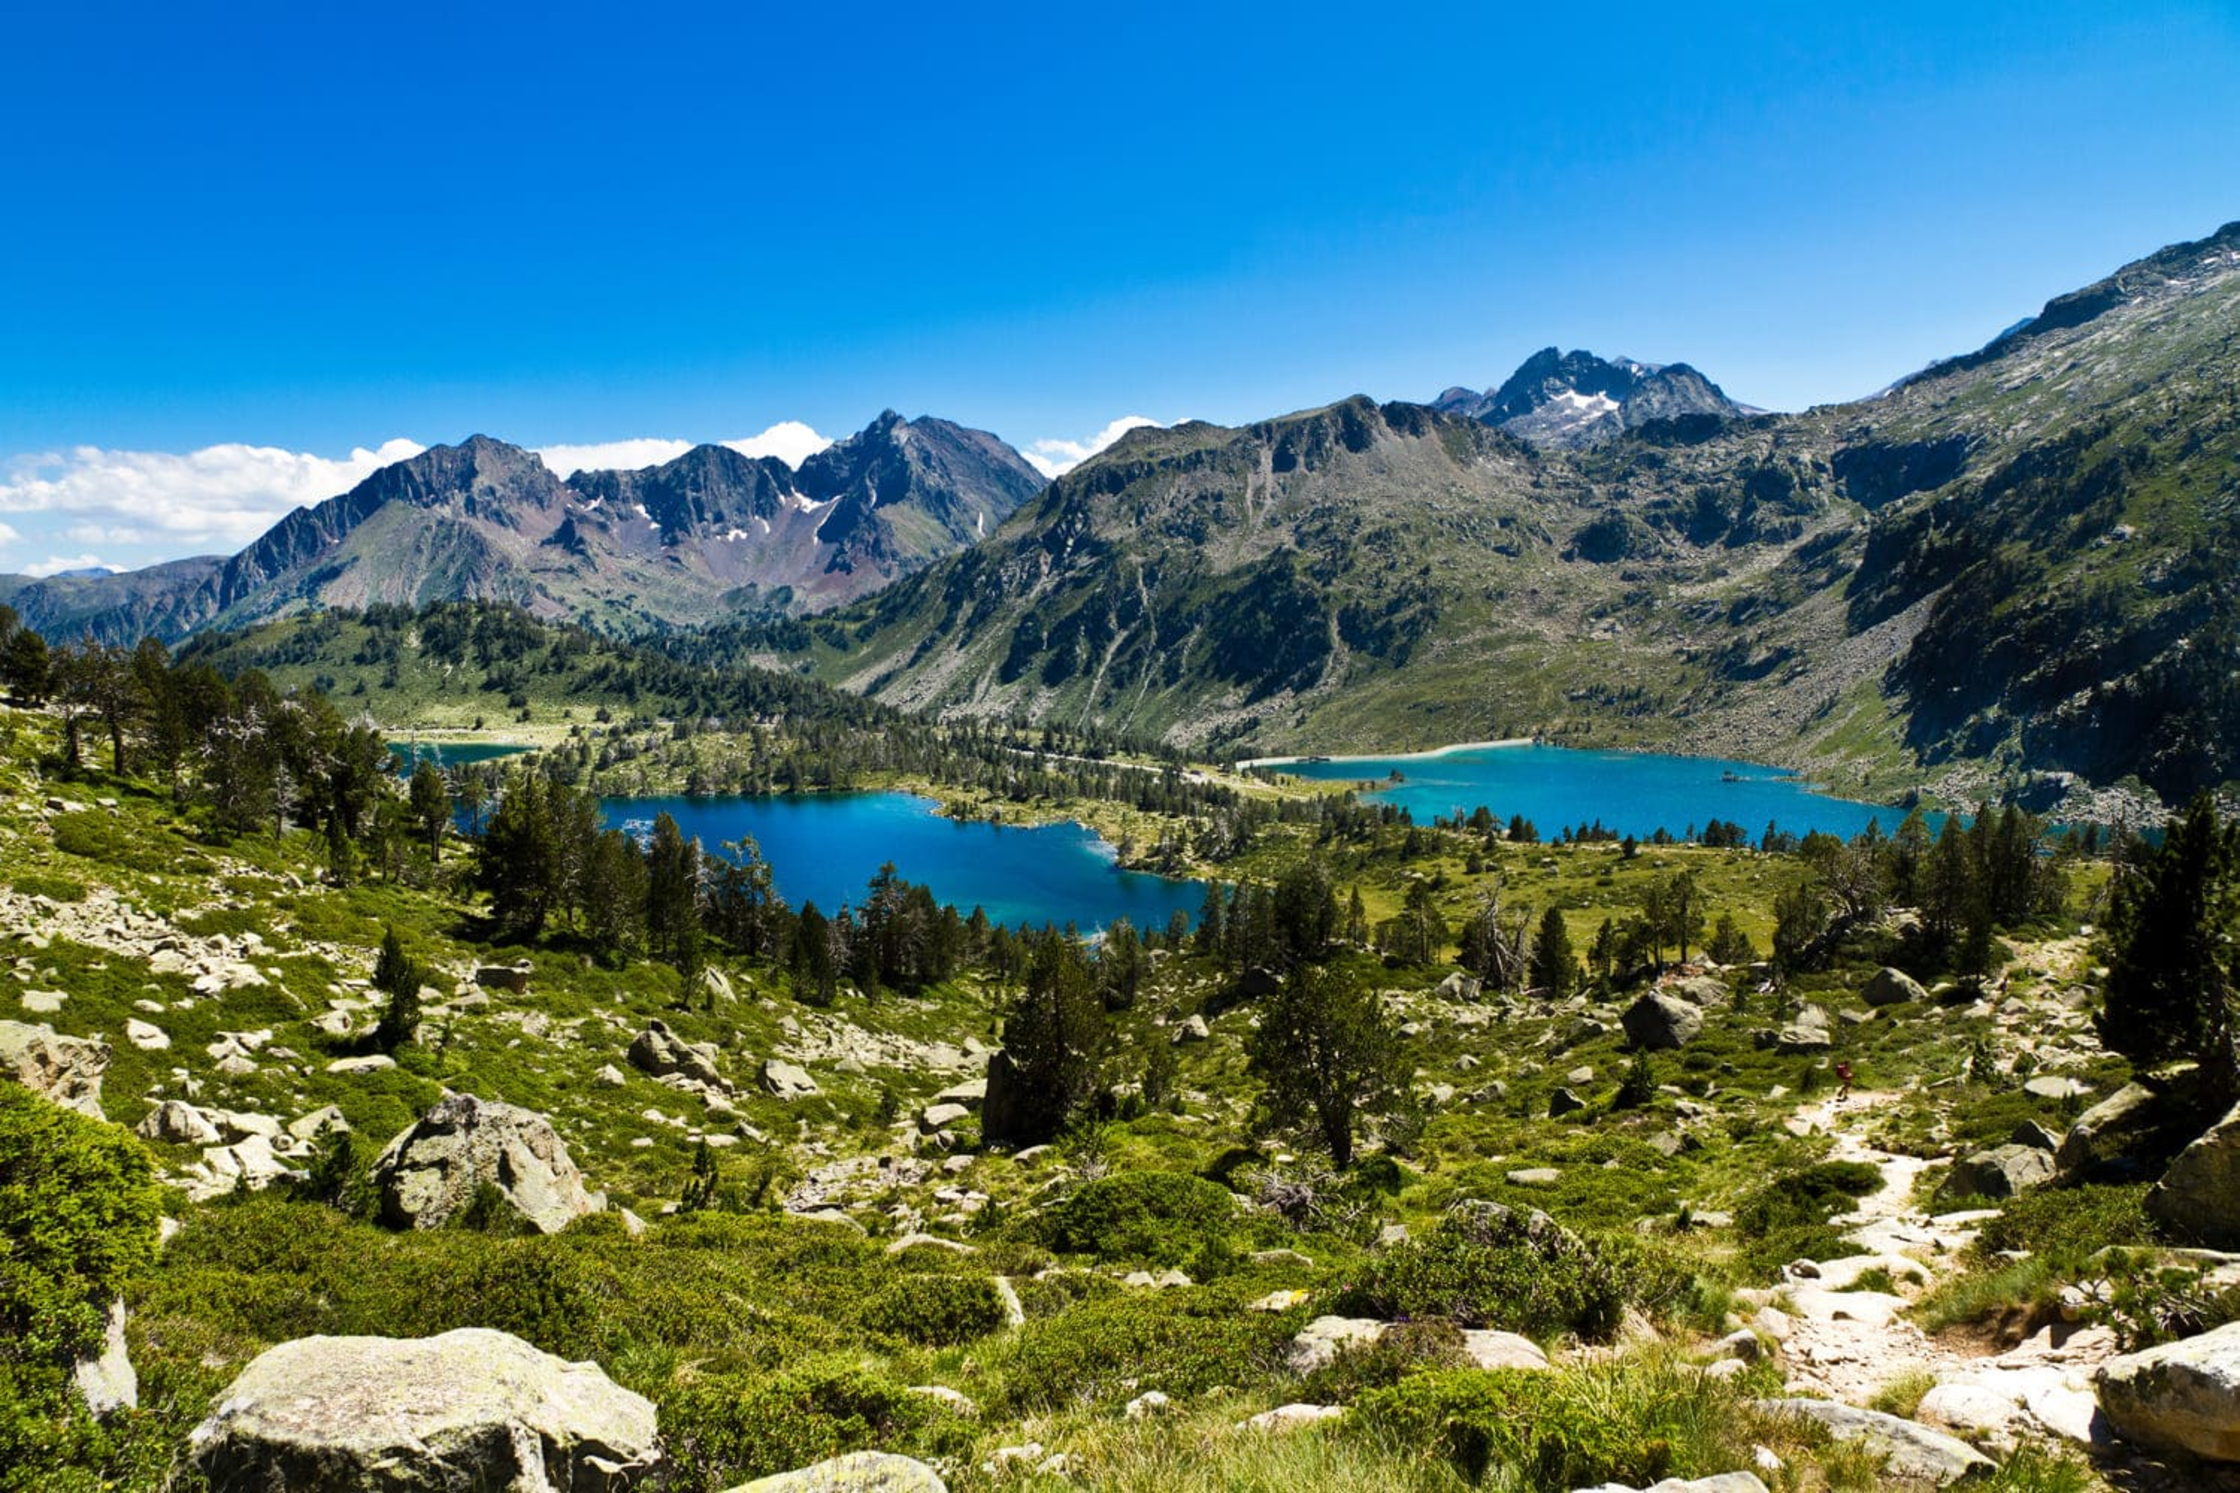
(1632,793)
(410,754)
(822,848)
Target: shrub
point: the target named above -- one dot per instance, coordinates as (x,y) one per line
(722,1431)
(2068,1223)
(938,1310)
(1402,1349)
(1121,1345)
(1629,1421)
(1161,1218)
(77,1222)
(1788,1217)
(1521,1272)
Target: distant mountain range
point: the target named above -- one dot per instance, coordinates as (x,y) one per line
(1577,399)
(2012,572)
(709,536)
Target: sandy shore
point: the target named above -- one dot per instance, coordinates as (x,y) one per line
(1445,751)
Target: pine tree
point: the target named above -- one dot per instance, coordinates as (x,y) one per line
(1054,1035)
(397,977)
(1327,1055)
(1555,968)
(2171,967)
(700,1191)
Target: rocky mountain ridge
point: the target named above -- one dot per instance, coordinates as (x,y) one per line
(2002,575)
(707,536)
(1574,398)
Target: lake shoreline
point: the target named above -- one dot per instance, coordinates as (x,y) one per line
(1444,751)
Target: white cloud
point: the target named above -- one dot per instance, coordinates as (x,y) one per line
(599,456)
(1055,458)
(219,496)
(789,440)
(55,564)
(140,507)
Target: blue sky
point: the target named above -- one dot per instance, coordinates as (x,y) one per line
(245,243)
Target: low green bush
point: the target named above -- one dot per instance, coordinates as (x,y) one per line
(78,1207)
(938,1310)
(1517,1271)
(1119,1346)
(723,1431)
(1787,1218)
(1158,1218)
(1629,1421)
(1402,1349)
(2068,1223)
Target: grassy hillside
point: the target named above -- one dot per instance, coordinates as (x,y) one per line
(769,1338)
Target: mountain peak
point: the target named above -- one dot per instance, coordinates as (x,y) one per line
(1577,398)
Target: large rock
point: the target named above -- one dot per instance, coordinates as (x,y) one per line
(1723,1482)
(2115,1137)
(179,1123)
(2198,1199)
(787,1080)
(661,1052)
(858,1472)
(1892,987)
(2001,1172)
(107,1382)
(1662,1021)
(461,1413)
(2183,1395)
(430,1173)
(1912,1450)
(66,1070)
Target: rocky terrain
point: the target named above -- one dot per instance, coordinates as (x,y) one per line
(693,1235)
(710,536)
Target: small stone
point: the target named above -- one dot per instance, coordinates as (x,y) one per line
(1292,1417)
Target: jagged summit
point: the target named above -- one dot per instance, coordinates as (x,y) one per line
(1576,398)
(701,538)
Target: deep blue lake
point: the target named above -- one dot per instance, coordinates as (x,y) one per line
(1632,793)
(822,848)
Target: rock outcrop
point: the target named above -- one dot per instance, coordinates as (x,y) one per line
(2182,1396)
(857,1472)
(1892,987)
(2001,1172)
(468,1410)
(1913,1450)
(661,1052)
(2198,1199)
(1662,1021)
(66,1070)
(431,1172)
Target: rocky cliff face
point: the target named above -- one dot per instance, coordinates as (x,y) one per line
(1575,399)
(699,539)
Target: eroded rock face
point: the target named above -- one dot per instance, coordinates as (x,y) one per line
(2000,1172)
(431,1172)
(660,1051)
(1892,987)
(2198,1199)
(1662,1021)
(463,1412)
(1913,1450)
(858,1472)
(66,1070)
(2181,1396)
